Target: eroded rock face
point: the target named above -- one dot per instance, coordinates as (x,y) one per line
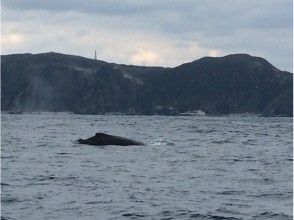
(101,139)
(280,106)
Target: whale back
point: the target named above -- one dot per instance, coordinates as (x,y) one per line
(102,135)
(106,139)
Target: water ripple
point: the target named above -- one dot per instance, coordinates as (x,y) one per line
(191,168)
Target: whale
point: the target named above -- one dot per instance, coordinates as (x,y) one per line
(102,139)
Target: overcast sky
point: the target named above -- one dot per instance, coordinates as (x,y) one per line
(150,32)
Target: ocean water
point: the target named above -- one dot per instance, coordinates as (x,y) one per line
(192,167)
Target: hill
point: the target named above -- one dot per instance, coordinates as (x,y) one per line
(237,83)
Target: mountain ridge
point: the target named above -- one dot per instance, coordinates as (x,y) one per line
(236,83)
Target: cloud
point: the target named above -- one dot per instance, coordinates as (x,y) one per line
(154,32)
(105,7)
(12,39)
(142,56)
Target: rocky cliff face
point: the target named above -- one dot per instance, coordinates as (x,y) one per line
(232,84)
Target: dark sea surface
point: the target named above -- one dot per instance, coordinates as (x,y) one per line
(192,167)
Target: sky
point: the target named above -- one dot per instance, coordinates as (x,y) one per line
(150,32)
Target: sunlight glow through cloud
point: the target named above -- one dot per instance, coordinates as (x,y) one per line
(143,57)
(12,39)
